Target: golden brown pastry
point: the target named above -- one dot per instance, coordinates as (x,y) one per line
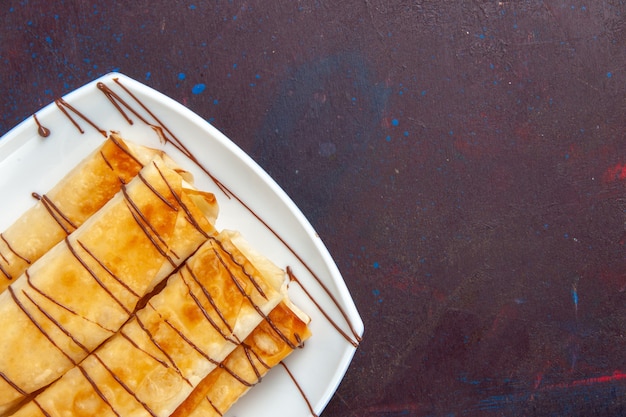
(68,204)
(271,342)
(208,307)
(86,287)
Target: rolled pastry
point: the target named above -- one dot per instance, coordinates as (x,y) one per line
(271,342)
(208,307)
(83,191)
(86,287)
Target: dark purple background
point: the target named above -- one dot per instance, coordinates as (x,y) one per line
(464,162)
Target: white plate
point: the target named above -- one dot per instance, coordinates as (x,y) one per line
(262,212)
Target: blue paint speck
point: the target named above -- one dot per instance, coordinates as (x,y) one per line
(48,39)
(376,265)
(406,134)
(574,296)
(388,138)
(216,101)
(148,74)
(192,7)
(395,122)
(198,88)
(609,74)
(181,76)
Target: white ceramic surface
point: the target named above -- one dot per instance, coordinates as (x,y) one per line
(32,163)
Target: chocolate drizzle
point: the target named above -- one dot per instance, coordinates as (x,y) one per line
(308,403)
(63,221)
(239,378)
(293,278)
(232,258)
(12,384)
(36,324)
(43,411)
(6,242)
(257,287)
(43,131)
(158,126)
(162,349)
(190,343)
(161,197)
(5,272)
(64,307)
(95,276)
(8,245)
(117,100)
(180,202)
(157,240)
(124,149)
(124,386)
(56,323)
(136,346)
(97,390)
(108,270)
(250,353)
(204,311)
(64,106)
(214,407)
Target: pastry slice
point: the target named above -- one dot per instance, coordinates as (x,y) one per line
(208,307)
(68,204)
(86,287)
(271,342)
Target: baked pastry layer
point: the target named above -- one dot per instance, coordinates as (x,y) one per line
(208,307)
(82,192)
(272,341)
(87,286)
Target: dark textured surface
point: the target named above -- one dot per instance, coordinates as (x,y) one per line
(464,162)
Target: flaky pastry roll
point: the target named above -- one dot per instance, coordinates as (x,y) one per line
(82,192)
(271,342)
(87,286)
(208,307)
